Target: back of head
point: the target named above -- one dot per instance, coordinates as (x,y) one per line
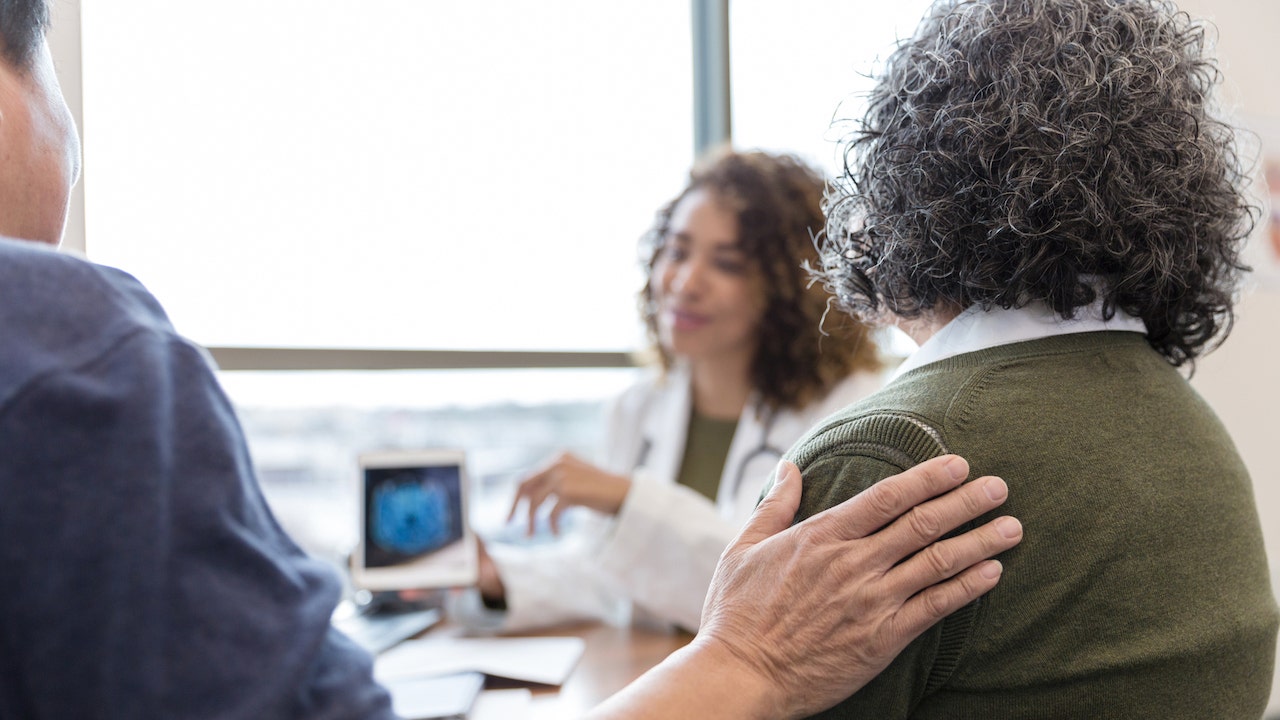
(22,27)
(777,199)
(1054,151)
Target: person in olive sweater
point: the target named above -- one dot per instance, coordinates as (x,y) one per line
(1041,196)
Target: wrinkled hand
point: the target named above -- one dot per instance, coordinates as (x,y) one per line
(817,610)
(571,481)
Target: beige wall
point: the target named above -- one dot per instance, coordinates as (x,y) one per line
(1242,379)
(64,45)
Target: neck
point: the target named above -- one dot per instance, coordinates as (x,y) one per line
(720,392)
(921,328)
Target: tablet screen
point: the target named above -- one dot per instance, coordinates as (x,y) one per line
(414,530)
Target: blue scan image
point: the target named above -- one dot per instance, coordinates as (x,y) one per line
(411,517)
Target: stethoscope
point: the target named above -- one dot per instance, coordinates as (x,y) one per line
(763,449)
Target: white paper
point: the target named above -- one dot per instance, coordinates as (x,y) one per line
(427,698)
(513,704)
(545,660)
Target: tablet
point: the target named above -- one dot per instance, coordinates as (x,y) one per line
(413,522)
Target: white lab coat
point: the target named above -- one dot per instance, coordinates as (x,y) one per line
(661,549)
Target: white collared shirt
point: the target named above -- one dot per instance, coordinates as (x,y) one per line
(975,329)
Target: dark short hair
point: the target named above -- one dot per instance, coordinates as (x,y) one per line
(1055,151)
(777,200)
(22,27)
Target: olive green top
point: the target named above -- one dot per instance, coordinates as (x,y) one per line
(1140,589)
(705,448)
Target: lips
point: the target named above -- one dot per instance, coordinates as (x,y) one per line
(685,320)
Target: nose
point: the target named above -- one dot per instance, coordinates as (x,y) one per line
(689,277)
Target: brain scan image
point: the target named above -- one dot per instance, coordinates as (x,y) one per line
(411,513)
(411,517)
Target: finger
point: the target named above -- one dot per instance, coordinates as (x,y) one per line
(556,512)
(531,518)
(949,557)
(777,510)
(931,520)
(934,603)
(536,495)
(515,503)
(522,490)
(888,499)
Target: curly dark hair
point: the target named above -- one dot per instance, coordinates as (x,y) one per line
(778,203)
(1016,151)
(22,27)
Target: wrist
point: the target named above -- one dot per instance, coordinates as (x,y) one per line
(493,601)
(730,682)
(704,680)
(622,488)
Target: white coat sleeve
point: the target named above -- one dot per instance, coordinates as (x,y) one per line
(664,549)
(559,583)
(546,585)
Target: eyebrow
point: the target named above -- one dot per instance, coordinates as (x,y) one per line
(720,246)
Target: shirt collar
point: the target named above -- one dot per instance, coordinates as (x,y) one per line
(976,329)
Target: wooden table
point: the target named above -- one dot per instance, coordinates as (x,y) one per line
(612,658)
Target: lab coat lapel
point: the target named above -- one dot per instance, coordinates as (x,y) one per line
(667,425)
(747,438)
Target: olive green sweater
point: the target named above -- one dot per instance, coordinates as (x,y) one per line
(1140,589)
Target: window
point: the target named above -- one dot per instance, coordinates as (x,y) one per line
(798,75)
(800,66)
(385,173)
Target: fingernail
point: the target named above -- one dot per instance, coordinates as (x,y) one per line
(784,469)
(996,489)
(991,569)
(957,468)
(1009,527)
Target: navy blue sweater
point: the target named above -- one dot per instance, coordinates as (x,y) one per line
(143,574)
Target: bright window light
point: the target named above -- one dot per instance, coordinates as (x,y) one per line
(798,66)
(386,173)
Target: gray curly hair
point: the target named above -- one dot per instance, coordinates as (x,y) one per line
(22,27)
(1016,151)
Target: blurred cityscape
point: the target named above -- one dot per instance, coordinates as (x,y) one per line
(305,457)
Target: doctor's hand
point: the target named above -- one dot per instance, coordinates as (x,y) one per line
(568,481)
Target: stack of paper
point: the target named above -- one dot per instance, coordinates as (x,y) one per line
(543,660)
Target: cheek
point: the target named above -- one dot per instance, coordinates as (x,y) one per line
(661,279)
(749,304)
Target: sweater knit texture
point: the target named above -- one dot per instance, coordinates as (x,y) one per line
(1140,589)
(145,576)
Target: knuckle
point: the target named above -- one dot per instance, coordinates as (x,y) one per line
(885,498)
(988,540)
(935,476)
(984,541)
(924,522)
(937,602)
(941,560)
(975,500)
(813,541)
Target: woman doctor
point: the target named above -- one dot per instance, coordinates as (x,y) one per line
(749,361)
